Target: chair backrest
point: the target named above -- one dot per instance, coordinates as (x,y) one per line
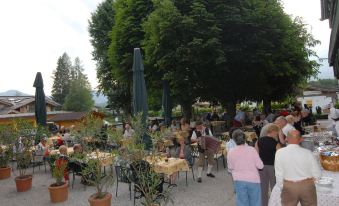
(139,168)
(75,166)
(123,174)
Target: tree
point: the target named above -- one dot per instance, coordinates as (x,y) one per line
(79,98)
(61,79)
(126,35)
(182,44)
(100,26)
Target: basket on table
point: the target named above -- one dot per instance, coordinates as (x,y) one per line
(328,162)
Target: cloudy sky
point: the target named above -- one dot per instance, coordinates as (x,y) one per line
(35,33)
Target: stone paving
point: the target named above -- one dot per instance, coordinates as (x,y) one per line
(211,192)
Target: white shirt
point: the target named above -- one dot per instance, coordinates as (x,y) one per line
(194,135)
(240,116)
(230,145)
(128,133)
(288,127)
(295,163)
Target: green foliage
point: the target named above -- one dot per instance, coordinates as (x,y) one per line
(93,174)
(6,148)
(324,83)
(61,76)
(59,171)
(79,98)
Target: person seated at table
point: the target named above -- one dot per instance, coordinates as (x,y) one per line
(267,147)
(215,116)
(197,135)
(59,141)
(296,169)
(239,119)
(63,159)
(243,163)
(42,148)
(174,127)
(128,133)
(78,151)
(257,124)
(154,127)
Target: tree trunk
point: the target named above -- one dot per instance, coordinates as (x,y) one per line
(231,108)
(267,106)
(186,110)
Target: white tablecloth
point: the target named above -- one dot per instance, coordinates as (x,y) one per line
(324,199)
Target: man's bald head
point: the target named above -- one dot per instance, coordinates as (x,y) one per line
(294,137)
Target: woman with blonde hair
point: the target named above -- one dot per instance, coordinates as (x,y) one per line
(267,147)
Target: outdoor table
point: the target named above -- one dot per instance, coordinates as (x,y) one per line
(56,151)
(172,166)
(324,199)
(106,158)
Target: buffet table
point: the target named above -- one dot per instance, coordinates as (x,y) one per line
(324,198)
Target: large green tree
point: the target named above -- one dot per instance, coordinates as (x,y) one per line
(182,45)
(79,98)
(61,77)
(126,35)
(100,26)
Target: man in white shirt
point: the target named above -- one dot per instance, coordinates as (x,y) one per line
(296,170)
(334,116)
(128,133)
(202,131)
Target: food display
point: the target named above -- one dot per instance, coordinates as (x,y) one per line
(330,159)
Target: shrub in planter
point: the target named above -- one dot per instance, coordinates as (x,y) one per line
(58,191)
(6,152)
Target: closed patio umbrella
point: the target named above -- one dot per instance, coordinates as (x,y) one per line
(139,86)
(166,102)
(40,102)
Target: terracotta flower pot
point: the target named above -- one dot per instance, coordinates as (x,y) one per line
(105,201)
(23,183)
(5,173)
(58,193)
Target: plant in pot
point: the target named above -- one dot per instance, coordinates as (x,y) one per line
(58,191)
(6,152)
(23,153)
(93,174)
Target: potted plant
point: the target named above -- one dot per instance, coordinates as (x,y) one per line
(93,175)
(23,153)
(58,191)
(6,152)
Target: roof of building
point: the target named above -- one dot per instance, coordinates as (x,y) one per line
(23,115)
(15,102)
(68,116)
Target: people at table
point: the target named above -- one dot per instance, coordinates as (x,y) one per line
(215,116)
(289,126)
(173,126)
(197,135)
(78,152)
(296,169)
(154,126)
(267,147)
(244,163)
(128,132)
(257,124)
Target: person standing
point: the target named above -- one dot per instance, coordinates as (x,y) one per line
(244,163)
(267,147)
(296,169)
(198,135)
(334,116)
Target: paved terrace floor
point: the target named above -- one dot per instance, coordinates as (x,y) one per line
(211,192)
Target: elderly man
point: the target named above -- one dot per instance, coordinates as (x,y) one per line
(296,169)
(281,123)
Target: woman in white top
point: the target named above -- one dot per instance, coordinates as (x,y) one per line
(128,133)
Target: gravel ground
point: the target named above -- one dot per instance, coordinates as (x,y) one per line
(212,192)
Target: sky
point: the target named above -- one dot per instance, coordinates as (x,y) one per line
(35,33)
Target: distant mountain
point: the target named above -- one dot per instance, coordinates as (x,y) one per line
(99,99)
(13,93)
